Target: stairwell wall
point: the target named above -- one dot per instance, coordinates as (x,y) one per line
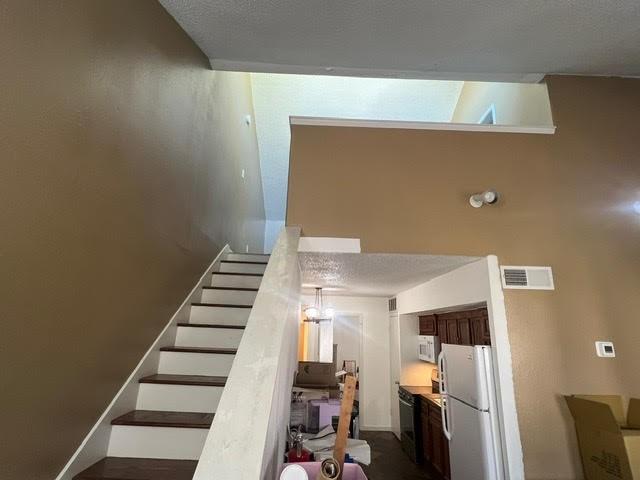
(120,180)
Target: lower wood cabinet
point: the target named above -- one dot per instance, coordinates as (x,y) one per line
(435,444)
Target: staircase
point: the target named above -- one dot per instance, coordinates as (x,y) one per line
(163,438)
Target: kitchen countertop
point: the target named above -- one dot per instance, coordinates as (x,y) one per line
(425,392)
(434,398)
(417,390)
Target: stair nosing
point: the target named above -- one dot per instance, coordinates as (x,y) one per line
(205,350)
(244,262)
(210,325)
(231,289)
(216,383)
(220,305)
(96,471)
(239,273)
(130,423)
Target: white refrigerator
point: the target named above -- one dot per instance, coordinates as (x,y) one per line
(469,412)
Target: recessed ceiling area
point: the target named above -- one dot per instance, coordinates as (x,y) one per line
(490,40)
(373,274)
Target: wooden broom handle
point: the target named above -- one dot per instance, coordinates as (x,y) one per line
(348,395)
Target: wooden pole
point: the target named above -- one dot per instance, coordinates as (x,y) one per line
(348,395)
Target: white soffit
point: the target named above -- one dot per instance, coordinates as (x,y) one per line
(329,244)
(373,274)
(488,40)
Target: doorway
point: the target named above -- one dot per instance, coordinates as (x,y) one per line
(347,335)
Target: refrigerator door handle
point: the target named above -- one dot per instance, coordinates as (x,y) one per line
(445,418)
(443,375)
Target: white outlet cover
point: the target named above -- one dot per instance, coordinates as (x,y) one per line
(242,173)
(605,349)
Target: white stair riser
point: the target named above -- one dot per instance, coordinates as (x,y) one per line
(178,398)
(242,267)
(156,442)
(181,363)
(234,297)
(208,337)
(246,257)
(219,315)
(242,281)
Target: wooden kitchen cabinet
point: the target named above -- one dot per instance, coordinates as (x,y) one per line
(424,427)
(452,329)
(435,444)
(428,325)
(441,325)
(464,330)
(469,327)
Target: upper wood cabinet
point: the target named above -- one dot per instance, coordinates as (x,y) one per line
(428,325)
(468,327)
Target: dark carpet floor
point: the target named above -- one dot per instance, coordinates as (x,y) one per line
(388,461)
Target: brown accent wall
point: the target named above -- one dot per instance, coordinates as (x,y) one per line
(120,158)
(566,202)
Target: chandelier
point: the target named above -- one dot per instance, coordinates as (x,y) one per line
(318,312)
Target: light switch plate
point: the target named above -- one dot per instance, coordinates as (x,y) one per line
(605,349)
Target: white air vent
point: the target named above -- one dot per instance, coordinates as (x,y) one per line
(392,305)
(529,278)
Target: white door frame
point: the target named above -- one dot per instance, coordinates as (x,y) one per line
(394,318)
(360,317)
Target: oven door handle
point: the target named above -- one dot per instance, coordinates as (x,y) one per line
(406,403)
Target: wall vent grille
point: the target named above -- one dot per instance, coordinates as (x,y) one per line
(392,305)
(527,278)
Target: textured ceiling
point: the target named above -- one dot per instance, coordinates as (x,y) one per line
(276,97)
(456,39)
(373,274)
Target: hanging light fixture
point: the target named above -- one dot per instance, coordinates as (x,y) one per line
(318,312)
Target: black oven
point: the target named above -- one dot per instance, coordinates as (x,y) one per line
(410,432)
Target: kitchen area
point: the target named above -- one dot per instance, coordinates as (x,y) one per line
(427,403)
(452,419)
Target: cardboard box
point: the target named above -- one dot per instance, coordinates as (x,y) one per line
(609,440)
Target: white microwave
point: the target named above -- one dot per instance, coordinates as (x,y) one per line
(428,348)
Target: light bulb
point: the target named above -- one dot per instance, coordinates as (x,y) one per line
(329,312)
(489,196)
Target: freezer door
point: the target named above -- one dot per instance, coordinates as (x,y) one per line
(471,449)
(465,375)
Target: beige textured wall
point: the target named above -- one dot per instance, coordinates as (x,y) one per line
(515,103)
(120,158)
(566,202)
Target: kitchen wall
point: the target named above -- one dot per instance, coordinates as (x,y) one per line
(374,370)
(119,183)
(567,200)
(514,103)
(464,286)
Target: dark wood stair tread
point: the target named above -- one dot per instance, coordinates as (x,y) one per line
(211,325)
(232,289)
(245,262)
(239,273)
(172,379)
(120,468)
(155,418)
(224,305)
(226,351)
